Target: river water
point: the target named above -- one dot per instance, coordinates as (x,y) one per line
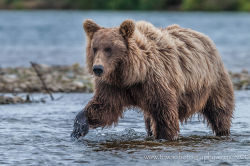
(45,36)
(39,133)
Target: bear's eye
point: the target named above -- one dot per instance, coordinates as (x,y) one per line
(107,49)
(94,50)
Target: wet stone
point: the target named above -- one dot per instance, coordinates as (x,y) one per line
(72,78)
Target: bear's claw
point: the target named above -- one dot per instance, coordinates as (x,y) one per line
(81,125)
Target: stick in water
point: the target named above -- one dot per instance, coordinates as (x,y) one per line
(35,67)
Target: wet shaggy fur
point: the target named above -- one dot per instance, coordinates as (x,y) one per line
(168,73)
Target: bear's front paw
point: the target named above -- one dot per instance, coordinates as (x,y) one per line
(81,125)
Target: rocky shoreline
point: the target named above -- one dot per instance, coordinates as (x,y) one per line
(57,79)
(241,80)
(67,79)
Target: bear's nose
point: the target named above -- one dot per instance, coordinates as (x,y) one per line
(98,69)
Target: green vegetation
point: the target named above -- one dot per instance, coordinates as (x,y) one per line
(185,5)
(213,5)
(244,5)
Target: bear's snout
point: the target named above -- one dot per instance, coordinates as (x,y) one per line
(98,70)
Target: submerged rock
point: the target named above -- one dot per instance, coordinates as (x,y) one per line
(11,100)
(14,99)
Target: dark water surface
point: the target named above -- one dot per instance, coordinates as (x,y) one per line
(56,37)
(39,134)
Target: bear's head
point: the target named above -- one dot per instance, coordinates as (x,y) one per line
(109,53)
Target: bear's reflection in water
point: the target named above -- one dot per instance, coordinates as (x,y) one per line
(131,140)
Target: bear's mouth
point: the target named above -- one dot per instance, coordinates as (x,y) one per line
(98,75)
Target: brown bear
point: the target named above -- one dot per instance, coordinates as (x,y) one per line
(169,73)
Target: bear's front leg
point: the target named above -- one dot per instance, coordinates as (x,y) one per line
(148,122)
(81,125)
(164,118)
(165,124)
(99,112)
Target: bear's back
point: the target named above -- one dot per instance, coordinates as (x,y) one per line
(193,54)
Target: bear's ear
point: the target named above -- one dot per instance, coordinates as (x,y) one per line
(90,27)
(127,28)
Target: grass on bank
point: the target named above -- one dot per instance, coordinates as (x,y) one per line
(179,5)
